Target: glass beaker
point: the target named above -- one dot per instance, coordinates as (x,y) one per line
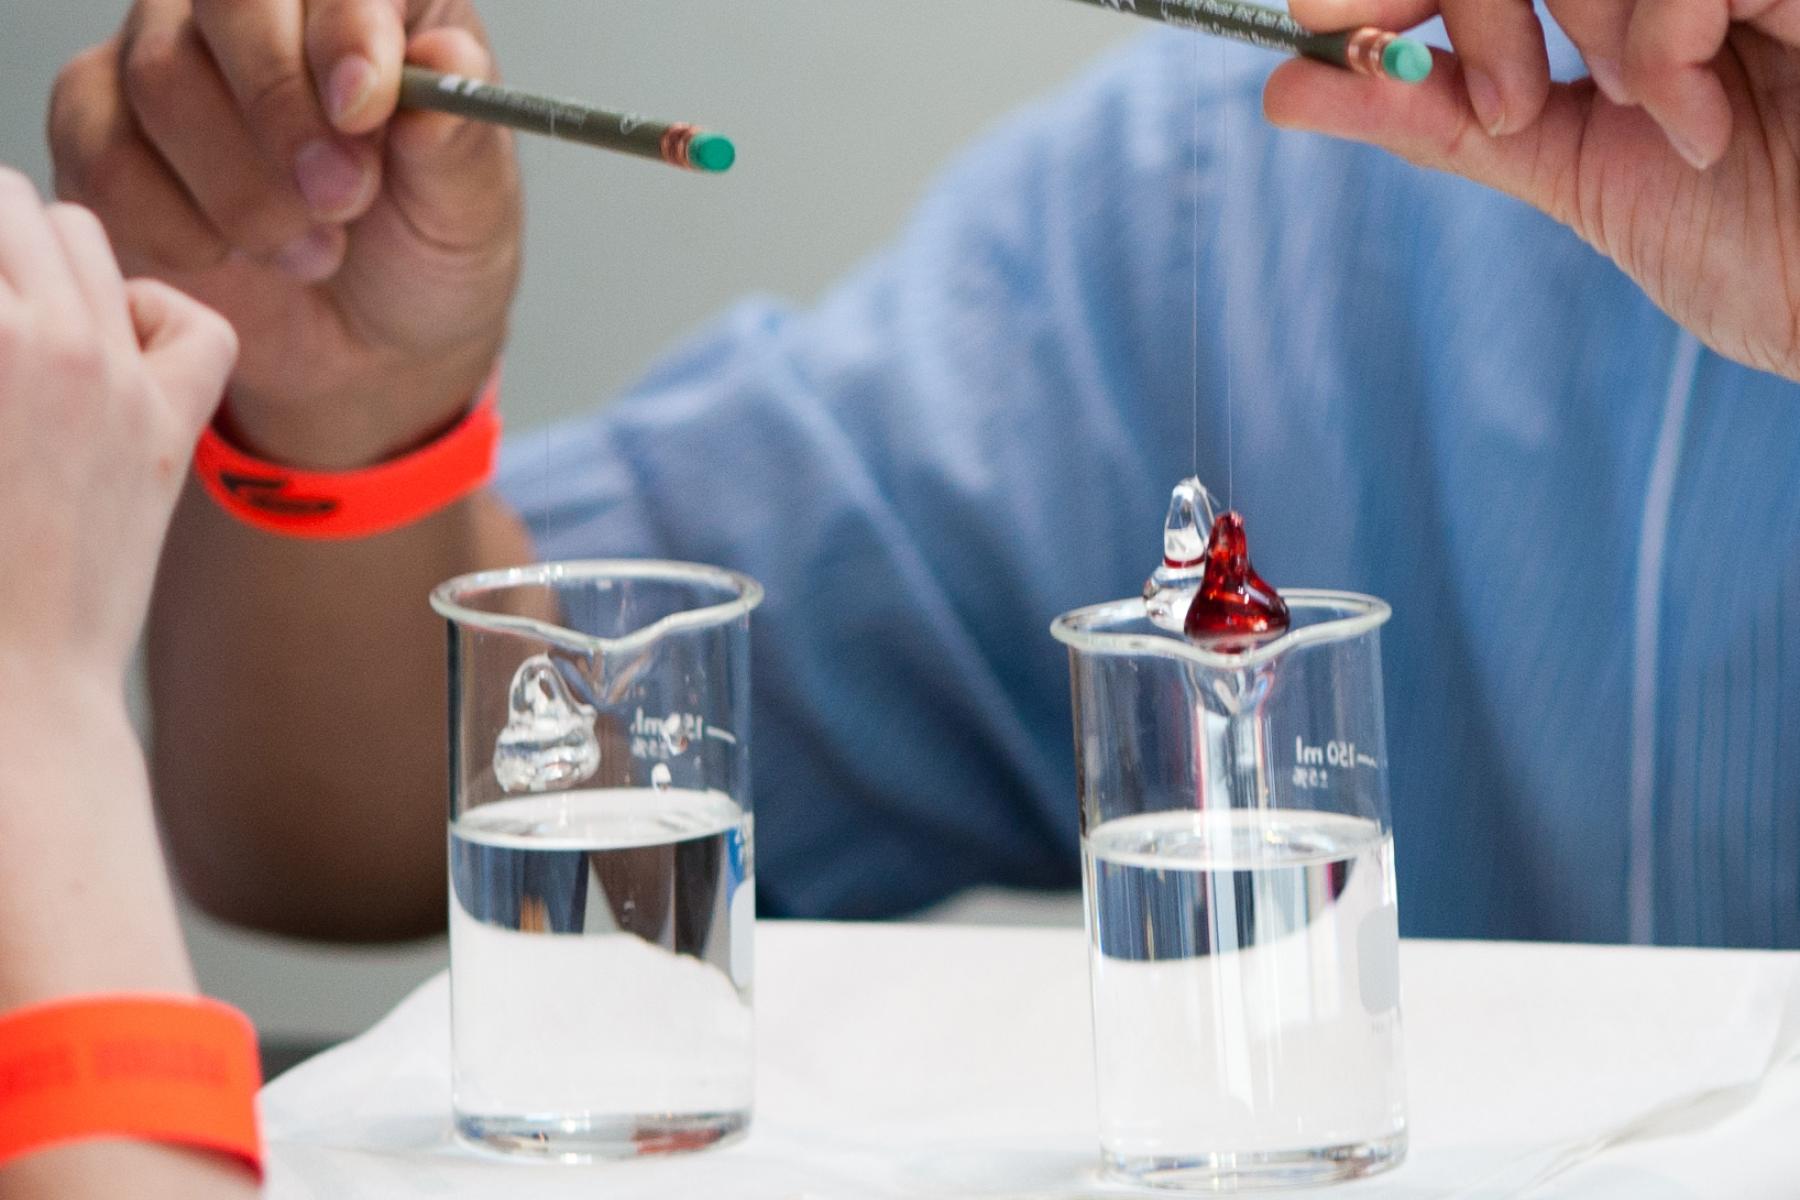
(601,874)
(1238,867)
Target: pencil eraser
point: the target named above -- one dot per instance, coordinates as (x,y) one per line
(712,152)
(1406,60)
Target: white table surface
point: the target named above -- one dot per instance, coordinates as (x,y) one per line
(953,1062)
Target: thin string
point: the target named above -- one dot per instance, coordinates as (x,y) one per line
(1224,297)
(1194,291)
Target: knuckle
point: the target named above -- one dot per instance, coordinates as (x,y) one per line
(76,358)
(70,98)
(104,182)
(218,331)
(157,63)
(17,194)
(199,322)
(1645,63)
(15,188)
(111,186)
(173,247)
(78,219)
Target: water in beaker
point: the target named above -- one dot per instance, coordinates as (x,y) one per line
(601,870)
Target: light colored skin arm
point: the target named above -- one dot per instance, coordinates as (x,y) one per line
(102,390)
(249,151)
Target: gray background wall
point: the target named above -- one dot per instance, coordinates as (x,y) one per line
(841,109)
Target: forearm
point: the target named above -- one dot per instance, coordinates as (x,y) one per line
(85,908)
(298,689)
(84,900)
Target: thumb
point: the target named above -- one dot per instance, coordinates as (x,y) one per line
(1328,15)
(455,178)
(188,348)
(1433,125)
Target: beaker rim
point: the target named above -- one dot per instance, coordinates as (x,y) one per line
(446,599)
(1360,614)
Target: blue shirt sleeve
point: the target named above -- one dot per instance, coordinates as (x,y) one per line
(894,466)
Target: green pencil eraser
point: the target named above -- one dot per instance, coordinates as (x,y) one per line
(712,152)
(1406,60)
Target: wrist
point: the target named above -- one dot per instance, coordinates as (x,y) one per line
(85,904)
(360,503)
(361,423)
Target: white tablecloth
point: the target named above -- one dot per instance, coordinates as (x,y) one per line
(902,1061)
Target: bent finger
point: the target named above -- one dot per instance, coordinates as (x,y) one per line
(102,161)
(31,261)
(187,113)
(188,348)
(260,51)
(95,272)
(1597,30)
(1669,50)
(1506,69)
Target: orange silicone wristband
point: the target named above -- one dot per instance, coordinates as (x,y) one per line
(177,1069)
(353,504)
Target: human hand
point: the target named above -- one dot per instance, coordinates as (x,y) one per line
(1679,160)
(104,387)
(250,152)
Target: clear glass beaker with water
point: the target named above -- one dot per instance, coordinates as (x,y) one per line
(601,872)
(1238,865)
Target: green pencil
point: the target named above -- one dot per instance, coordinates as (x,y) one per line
(679,145)
(1367,51)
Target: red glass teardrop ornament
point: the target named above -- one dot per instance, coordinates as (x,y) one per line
(1233,601)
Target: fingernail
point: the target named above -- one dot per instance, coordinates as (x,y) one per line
(1608,79)
(1688,150)
(331,179)
(312,258)
(1485,96)
(350,84)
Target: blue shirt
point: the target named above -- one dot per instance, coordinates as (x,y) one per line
(1588,526)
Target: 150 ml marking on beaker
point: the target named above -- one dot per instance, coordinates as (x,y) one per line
(1313,764)
(672,735)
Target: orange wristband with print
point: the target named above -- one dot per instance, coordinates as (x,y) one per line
(354,504)
(176,1069)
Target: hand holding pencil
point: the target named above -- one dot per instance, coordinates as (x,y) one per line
(1676,158)
(366,254)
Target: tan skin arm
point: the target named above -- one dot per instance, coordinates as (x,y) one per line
(250,152)
(300,728)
